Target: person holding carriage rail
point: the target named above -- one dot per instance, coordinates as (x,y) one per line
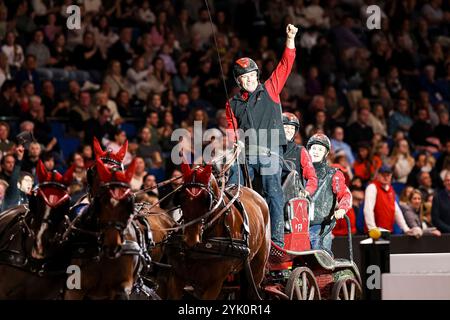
(297,157)
(257,107)
(332,198)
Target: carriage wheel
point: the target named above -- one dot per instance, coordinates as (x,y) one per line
(346,289)
(302,285)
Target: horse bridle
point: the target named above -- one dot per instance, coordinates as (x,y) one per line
(114,224)
(212,208)
(37,192)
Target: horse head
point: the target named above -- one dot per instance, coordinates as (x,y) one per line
(113,205)
(110,159)
(48,204)
(196,199)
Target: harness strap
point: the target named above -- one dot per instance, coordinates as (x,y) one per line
(240,207)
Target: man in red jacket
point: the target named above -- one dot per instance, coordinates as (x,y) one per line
(257,111)
(380,208)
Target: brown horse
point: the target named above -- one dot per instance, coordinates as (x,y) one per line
(125,241)
(33,262)
(202,256)
(106,245)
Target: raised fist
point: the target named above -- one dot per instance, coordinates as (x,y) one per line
(291,31)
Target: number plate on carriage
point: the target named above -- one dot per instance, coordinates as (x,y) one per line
(298,238)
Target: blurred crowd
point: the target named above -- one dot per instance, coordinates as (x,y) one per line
(138,70)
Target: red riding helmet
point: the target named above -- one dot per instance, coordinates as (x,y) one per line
(319,138)
(242,66)
(290,119)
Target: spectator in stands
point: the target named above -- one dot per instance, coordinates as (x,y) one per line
(123,104)
(360,131)
(337,142)
(42,130)
(421,162)
(378,121)
(13,52)
(320,125)
(203,27)
(221,121)
(181,109)
(81,112)
(104,36)
(413,212)
(421,130)
(365,166)
(401,161)
(149,181)
(32,157)
(152,122)
(88,57)
(5,144)
(9,99)
(146,148)
(400,119)
(53,105)
(99,127)
(159,30)
(20,183)
(381,153)
(102,99)
(380,208)
(114,78)
(442,131)
(165,132)
(88,155)
(122,49)
(49,161)
(441,207)
(182,81)
(425,184)
(29,73)
(159,79)
(404,195)
(139,174)
(38,49)
(61,58)
(137,78)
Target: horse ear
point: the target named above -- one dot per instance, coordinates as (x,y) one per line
(98,148)
(41,172)
(103,172)
(68,176)
(129,173)
(186,170)
(122,152)
(207,172)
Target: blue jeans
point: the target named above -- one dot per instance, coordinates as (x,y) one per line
(270,170)
(314,238)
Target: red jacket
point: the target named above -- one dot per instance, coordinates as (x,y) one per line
(384,210)
(273,85)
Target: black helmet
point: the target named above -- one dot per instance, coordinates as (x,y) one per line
(290,119)
(319,138)
(242,66)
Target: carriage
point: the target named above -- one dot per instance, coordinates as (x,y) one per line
(298,273)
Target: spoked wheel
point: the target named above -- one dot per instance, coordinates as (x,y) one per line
(302,285)
(346,289)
